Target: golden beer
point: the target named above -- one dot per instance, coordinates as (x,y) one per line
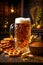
(22,32)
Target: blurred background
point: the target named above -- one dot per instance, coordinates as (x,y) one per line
(11,9)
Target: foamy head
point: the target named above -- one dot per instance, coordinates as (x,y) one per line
(22,20)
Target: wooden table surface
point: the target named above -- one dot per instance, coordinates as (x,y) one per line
(34,59)
(30,59)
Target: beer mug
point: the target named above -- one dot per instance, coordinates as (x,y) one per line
(22,32)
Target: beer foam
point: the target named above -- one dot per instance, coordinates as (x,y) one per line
(21,20)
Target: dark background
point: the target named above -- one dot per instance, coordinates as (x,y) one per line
(10,17)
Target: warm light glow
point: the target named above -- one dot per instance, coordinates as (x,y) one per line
(12,10)
(5,26)
(38,26)
(7,22)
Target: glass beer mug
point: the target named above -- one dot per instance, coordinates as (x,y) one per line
(22,32)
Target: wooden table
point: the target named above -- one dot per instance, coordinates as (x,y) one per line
(31,60)
(7,59)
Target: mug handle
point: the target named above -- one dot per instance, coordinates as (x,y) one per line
(11,30)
